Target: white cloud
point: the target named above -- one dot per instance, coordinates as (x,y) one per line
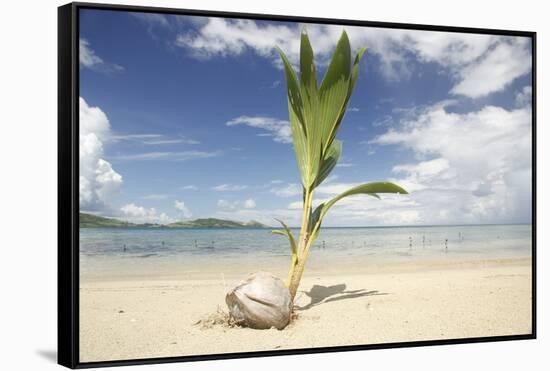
(190,187)
(98,181)
(219,36)
(225,205)
(384,120)
(89,59)
(466,57)
(278,129)
(174,156)
(152,139)
(155,196)
(169,141)
(139,214)
(296,205)
(471,167)
(502,65)
(289,190)
(524,97)
(249,204)
(183,209)
(420,174)
(229,187)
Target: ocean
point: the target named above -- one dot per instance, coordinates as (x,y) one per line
(389,242)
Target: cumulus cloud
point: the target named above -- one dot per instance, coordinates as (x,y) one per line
(478,64)
(98,180)
(219,36)
(505,62)
(189,187)
(89,59)
(249,204)
(278,129)
(139,214)
(470,167)
(183,209)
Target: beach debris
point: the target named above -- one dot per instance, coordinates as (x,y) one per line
(220,318)
(261,301)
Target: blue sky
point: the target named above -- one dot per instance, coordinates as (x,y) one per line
(185,117)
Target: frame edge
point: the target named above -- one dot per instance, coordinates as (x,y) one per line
(67,342)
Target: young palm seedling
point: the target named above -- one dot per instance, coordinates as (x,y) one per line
(316,112)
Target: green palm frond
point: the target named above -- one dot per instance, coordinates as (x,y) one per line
(316,113)
(287,233)
(370,189)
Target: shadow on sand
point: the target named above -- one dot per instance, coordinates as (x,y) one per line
(325,294)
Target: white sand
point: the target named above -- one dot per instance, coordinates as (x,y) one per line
(134,317)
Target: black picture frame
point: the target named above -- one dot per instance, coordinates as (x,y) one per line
(68,187)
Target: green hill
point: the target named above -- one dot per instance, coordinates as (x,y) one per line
(94,221)
(215,223)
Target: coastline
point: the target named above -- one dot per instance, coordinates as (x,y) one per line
(139,313)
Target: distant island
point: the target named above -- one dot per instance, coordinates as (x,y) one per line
(94,221)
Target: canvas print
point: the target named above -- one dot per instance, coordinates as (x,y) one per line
(256,185)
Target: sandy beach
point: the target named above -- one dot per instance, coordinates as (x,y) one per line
(140,313)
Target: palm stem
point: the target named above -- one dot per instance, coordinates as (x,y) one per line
(292,268)
(297,268)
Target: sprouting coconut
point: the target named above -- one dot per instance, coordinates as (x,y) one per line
(316,113)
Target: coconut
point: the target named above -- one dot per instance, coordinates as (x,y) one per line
(261,301)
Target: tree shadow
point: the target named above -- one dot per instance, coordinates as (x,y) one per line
(325,294)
